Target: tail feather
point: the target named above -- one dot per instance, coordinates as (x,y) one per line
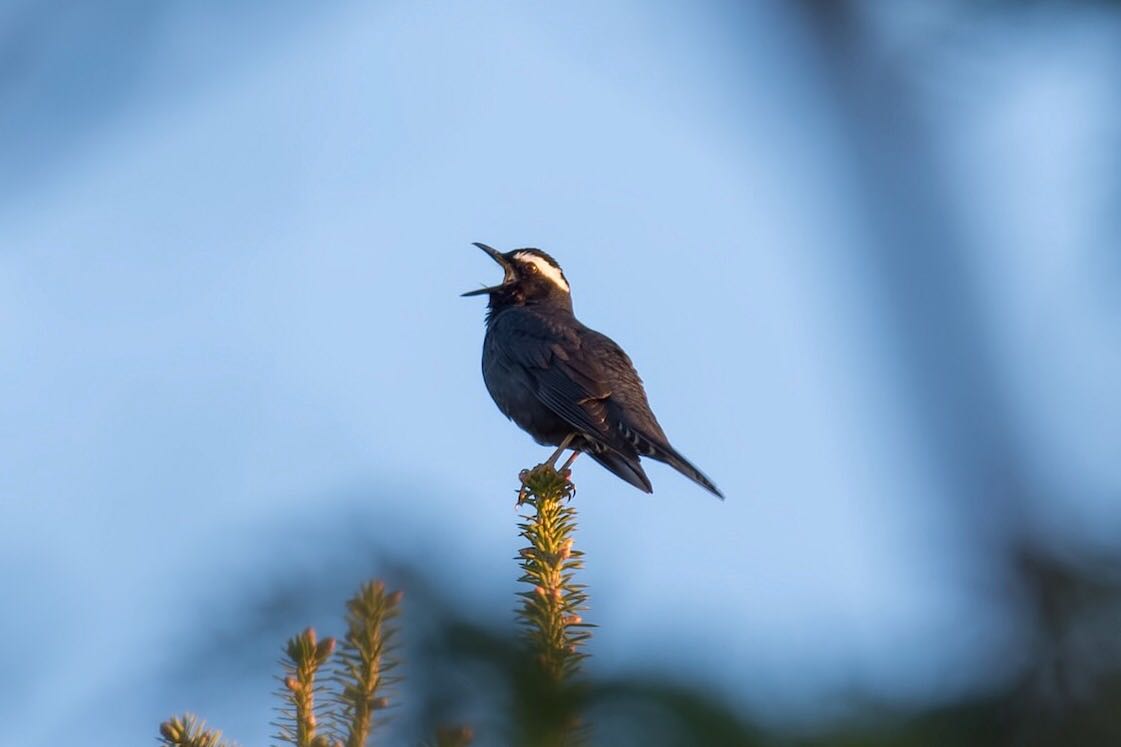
(626,469)
(669,455)
(659,448)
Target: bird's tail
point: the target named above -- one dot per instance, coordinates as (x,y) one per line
(626,469)
(669,455)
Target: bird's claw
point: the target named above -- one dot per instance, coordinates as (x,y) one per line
(526,476)
(566,475)
(524,490)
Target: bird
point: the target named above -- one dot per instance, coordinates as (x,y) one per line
(563,383)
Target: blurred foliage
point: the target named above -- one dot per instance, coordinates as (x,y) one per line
(189,731)
(364,662)
(476,684)
(304,655)
(470,681)
(354,690)
(1067,693)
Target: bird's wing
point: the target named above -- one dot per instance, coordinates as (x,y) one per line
(589,381)
(566,378)
(628,407)
(604,358)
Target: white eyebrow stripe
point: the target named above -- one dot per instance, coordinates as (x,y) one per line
(546,269)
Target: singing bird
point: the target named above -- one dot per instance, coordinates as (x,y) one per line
(563,383)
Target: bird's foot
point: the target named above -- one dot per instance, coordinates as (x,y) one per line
(570,487)
(523,476)
(544,479)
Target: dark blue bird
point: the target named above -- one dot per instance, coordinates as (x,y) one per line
(563,383)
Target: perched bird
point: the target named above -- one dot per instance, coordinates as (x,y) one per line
(563,383)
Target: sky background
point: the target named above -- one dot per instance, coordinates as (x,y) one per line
(869,275)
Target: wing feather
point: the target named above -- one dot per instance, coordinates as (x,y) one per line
(561,372)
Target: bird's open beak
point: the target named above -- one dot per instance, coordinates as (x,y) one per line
(506,268)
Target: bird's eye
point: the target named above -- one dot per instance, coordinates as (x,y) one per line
(533,269)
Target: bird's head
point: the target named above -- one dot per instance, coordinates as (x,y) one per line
(531,276)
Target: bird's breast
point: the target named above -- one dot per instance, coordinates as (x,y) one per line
(513,390)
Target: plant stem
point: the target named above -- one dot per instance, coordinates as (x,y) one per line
(551,610)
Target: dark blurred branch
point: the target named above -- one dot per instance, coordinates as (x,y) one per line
(918,259)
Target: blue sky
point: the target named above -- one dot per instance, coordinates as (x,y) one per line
(229,295)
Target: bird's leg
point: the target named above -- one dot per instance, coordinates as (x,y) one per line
(551,463)
(560,449)
(569,461)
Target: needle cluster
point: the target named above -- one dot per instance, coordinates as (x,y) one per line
(551,609)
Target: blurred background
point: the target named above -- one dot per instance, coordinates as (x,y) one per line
(866,255)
